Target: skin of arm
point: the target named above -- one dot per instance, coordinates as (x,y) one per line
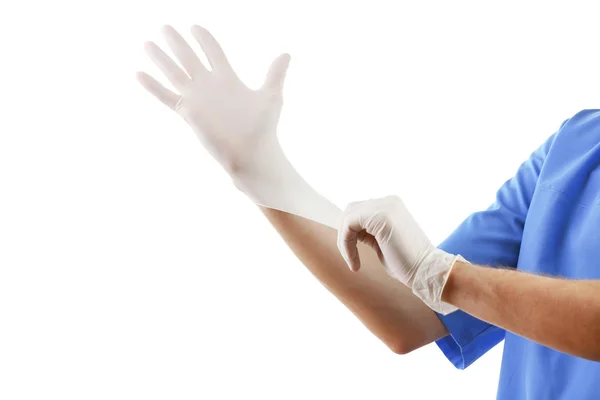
(558,313)
(384,305)
(238,127)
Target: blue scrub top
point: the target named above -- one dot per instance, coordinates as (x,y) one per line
(546,219)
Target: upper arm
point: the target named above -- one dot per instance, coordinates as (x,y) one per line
(491,237)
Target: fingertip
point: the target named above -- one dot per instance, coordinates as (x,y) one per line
(142,77)
(139,75)
(353,264)
(198,29)
(149,46)
(356,261)
(168,31)
(284,61)
(350,264)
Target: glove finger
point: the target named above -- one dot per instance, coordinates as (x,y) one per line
(184,53)
(214,53)
(277,72)
(176,75)
(348,240)
(163,94)
(368,239)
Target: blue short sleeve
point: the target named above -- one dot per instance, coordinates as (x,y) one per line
(493,238)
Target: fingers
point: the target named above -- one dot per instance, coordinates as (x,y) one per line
(349,234)
(171,70)
(277,72)
(184,53)
(163,94)
(214,53)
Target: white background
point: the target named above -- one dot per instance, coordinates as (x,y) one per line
(130,268)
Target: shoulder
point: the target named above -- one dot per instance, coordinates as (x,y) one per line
(573,151)
(584,123)
(578,134)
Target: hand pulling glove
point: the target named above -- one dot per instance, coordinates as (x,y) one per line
(405,251)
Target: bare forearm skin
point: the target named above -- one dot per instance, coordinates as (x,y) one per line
(558,313)
(384,305)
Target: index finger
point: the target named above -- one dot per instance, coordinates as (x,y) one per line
(348,237)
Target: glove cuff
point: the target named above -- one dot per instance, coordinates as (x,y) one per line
(431,278)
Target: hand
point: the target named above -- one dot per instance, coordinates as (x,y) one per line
(236,124)
(386,226)
(231,120)
(405,251)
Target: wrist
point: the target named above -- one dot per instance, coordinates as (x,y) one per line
(432,277)
(254,159)
(264,172)
(452,287)
(270,180)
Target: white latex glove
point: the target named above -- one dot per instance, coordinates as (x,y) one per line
(231,120)
(236,124)
(405,251)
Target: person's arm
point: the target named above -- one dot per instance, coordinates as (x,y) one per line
(238,127)
(384,305)
(489,237)
(558,313)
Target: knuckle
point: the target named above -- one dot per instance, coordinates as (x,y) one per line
(394,199)
(353,205)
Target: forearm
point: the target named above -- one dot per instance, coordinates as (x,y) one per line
(558,313)
(238,127)
(384,305)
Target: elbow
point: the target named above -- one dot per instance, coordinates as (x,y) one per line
(407,342)
(401,347)
(592,352)
(595,357)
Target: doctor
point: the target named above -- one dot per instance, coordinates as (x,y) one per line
(526,270)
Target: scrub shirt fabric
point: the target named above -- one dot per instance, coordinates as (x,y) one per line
(546,220)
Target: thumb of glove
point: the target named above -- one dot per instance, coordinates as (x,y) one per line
(276,75)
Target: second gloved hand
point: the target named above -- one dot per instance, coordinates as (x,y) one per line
(407,254)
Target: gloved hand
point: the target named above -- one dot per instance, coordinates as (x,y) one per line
(232,121)
(407,254)
(236,124)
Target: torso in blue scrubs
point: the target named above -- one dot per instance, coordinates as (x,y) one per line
(546,219)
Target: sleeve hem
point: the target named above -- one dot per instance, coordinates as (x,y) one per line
(461,356)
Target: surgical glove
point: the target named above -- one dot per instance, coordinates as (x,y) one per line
(236,124)
(403,248)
